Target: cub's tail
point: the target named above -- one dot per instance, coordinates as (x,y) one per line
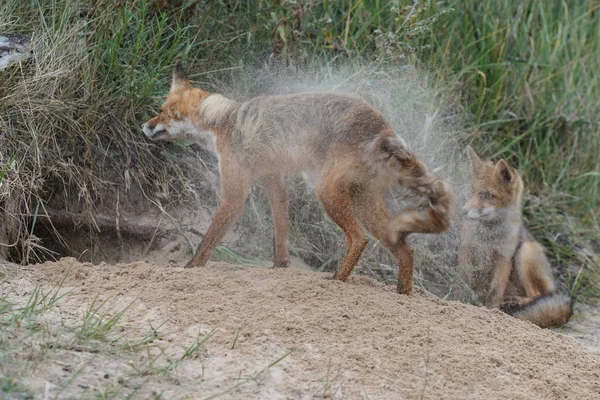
(546,311)
(389,153)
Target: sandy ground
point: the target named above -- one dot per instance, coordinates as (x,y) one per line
(294,334)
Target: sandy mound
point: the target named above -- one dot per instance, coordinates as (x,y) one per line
(354,340)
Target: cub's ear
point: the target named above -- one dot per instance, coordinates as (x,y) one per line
(503,172)
(180,78)
(476,162)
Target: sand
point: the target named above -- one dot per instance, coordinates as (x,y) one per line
(358,339)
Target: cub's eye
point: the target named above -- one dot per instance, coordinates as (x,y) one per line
(486,196)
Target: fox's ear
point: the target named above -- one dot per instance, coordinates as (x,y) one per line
(475,160)
(180,78)
(179,72)
(503,172)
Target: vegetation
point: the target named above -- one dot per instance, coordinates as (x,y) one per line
(524,78)
(50,344)
(529,75)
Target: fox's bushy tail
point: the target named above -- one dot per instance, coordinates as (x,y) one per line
(546,311)
(389,153)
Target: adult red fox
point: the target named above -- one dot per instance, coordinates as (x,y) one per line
(347,145)
(507,267)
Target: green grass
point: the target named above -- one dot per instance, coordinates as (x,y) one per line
(14,389)
(38,335)
(98,322)
(524,80)
(37,304)
(529,74)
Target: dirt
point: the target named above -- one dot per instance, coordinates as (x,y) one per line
(584,325)
(295,334)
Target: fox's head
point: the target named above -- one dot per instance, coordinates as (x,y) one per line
(496,188)
(179,116)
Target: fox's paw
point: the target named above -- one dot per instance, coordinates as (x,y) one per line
(442,203)
(406,289)
(193,264)
(281,264)
(442,196)
(340,276)
(438,191)
(424,184)
(189,265)
(493,299)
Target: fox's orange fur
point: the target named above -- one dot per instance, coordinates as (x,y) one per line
(346,145)
(507,267)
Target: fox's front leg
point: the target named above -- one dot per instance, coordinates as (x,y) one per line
(235,186)
(465,263)
(502,269)
(405,256)
(278,198)
(466,254)
(464,257)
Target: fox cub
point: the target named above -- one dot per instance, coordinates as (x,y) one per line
(507,268)
(350,148)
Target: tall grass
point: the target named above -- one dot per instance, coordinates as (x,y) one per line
(70,115)
(529,74)
(525,74)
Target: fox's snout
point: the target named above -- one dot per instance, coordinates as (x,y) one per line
(151,130)
(473,213)
(147,129)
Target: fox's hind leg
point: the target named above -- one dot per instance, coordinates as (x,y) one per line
(336,196)
(278,198)
(371,211)
(533,270)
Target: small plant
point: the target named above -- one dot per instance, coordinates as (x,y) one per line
(235,339)
(253,378)
(5,169)
(97,324)
(38,303)
(23,330)
(331,381)
(12,388)
(192,351)
(156,364)
(150,337)
(413,22)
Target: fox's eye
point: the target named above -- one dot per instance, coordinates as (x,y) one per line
(486,196)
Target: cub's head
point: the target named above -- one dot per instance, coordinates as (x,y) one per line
(179,117)
(496,188)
